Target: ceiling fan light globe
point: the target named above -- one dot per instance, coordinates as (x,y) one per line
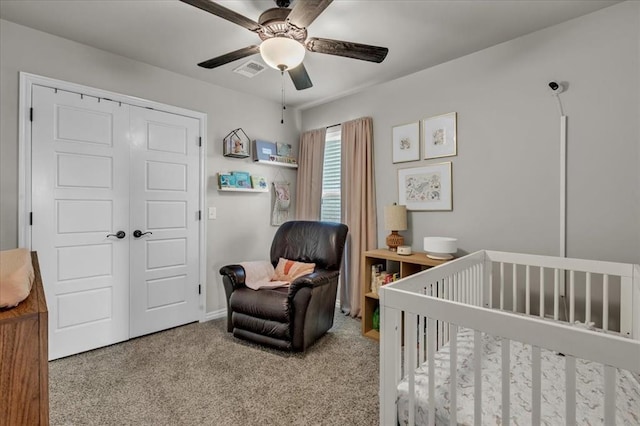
(279,52)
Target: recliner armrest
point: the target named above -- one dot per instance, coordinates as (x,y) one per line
(317,278)
(235,274)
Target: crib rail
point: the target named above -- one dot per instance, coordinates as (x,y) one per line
(572,281)
(461,294)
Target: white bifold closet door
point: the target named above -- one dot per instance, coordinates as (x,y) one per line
(100,171)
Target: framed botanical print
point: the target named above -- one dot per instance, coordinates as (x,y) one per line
(426,188)
(439,136)
(406,142)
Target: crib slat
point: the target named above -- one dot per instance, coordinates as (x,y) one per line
(556,294)
(490,273)
(472,284)
(528,289)
(410,341)
(536,386)
(587,308)
(605,302)
(570,376)
(422,327)
(609,395)
(501,285)
(514,285)
(572,300)
(481,285)
(626,306)
(390,338)
(431,349)
(541,292)
(477,379)
(506,376)
(453,374)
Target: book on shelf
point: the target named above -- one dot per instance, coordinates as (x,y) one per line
(226,180)
(243,179)
(380,277)
(258,182)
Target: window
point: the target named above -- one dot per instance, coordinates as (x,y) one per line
(330,207)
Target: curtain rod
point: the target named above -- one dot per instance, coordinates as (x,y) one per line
(334,125)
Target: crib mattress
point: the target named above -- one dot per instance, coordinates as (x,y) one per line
(589,387)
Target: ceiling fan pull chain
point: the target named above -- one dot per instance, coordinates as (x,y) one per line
(283,105)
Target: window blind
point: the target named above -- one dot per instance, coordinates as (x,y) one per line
(330,207)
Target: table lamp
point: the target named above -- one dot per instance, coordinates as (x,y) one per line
(440,248)
(395,219)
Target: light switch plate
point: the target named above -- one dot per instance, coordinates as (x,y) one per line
(212,213)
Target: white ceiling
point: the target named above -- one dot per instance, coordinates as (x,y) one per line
(176,36)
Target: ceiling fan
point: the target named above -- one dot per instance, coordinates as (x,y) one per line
(283,32)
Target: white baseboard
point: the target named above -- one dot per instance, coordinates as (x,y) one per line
(213,315)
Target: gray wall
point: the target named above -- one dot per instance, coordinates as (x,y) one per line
(242,230)
(506,173)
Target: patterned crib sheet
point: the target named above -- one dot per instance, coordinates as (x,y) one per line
(589,388)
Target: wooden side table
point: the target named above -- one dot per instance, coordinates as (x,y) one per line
(392,261)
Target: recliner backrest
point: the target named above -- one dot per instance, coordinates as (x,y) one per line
(321,243)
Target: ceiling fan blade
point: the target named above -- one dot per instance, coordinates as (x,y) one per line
(230,57)
(347,49)
(304,12)
(224,13)
(300,77)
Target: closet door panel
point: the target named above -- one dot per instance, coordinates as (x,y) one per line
(165,203)
(80,195)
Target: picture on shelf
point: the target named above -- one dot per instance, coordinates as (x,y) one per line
(263,149)
(283,149)
(243,179)
(258,182)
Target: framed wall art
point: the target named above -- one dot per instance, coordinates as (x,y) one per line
(406,142)
(439,136)
(426,188)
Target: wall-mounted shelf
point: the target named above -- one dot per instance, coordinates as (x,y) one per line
(243,190)
(277,163)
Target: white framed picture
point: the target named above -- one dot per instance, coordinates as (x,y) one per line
(426,188)
(406,142)
(439,136)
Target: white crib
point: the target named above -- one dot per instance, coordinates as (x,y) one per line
(511,309)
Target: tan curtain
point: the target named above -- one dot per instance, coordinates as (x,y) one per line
(358,207)
(309,183)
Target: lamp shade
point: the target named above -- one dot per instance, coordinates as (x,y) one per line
(282,53)
(395,218)
(440,248)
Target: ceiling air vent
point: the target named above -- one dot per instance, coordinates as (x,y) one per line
(250,69)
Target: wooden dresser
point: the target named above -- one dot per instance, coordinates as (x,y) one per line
(24,369)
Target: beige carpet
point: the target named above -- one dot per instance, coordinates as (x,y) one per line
(199,374)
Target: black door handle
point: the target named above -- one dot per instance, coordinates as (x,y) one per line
(138,233)
(119,235)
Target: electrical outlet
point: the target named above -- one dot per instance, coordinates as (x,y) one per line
(212,213)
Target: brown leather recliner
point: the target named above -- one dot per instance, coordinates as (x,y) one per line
(291,317)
